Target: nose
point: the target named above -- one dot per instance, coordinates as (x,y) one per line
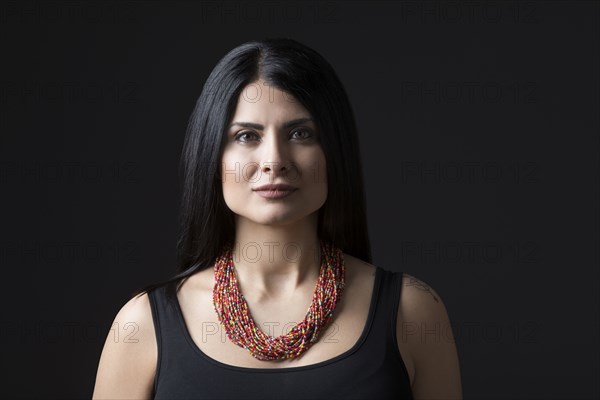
(275,155)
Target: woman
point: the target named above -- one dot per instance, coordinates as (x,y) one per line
(276,296)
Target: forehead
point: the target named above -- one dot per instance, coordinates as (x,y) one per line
(258,100)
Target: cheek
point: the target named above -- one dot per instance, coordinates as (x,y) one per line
(230,169)
(238,174)
(229,175)
(317,178)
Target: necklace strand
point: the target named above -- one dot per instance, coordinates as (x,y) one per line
(235,316)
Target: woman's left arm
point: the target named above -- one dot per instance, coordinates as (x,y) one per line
(428,337)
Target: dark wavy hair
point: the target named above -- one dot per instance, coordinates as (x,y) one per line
(206,223)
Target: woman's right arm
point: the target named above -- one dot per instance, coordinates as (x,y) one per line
(128,361)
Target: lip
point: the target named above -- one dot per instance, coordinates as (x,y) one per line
(275,191)
(279,187)
(274,194)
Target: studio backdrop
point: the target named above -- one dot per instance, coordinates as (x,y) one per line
(478,128)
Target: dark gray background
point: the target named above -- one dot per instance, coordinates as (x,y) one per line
(479,133)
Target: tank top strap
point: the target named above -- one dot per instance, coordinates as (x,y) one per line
(394,288)
(382,341)
(375,363)
(164,314)
(384,320)
(170,337)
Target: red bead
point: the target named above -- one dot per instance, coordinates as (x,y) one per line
(234,315)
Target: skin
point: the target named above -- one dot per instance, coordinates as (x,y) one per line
(276,283)
(424,334)
(277,252)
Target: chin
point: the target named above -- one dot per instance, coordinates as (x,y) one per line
(274,218)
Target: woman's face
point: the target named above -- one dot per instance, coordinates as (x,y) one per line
(271,151)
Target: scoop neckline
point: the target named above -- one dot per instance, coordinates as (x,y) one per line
(339,357)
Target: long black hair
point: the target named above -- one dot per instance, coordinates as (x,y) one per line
(206,223)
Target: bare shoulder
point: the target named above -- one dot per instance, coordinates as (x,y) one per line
(128,360)
(420,308)
(417,293)
(424,332)
(357,267)
(138,311)
(360,279)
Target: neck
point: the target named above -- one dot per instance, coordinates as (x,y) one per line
(273,262)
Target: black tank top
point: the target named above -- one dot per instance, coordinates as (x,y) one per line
(372,369)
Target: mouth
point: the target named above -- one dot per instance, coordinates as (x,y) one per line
(274,194)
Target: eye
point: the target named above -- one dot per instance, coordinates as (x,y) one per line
(244,133)
(307,133)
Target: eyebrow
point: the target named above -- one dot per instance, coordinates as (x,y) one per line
(288,124)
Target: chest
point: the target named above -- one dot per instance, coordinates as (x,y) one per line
(341,334)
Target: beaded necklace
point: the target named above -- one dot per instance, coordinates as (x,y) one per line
(235,317)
